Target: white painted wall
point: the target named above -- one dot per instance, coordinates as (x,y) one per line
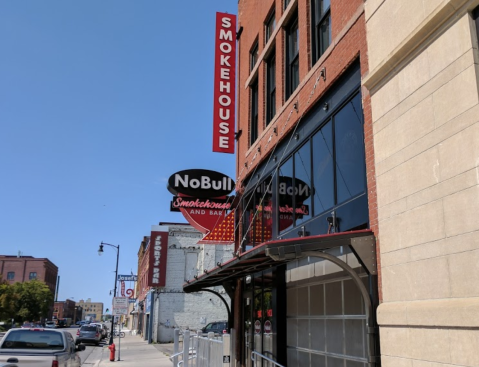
(174,308)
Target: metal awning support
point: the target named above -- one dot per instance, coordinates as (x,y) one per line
(230,319)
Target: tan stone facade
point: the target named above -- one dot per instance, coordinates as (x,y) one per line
(91,310)
(423,80)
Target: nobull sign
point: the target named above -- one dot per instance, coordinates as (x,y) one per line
(200,183)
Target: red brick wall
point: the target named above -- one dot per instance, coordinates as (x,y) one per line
(22,266)
(348,44)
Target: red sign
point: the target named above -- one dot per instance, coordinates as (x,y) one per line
(224,84)
(158,248)
(122,283)
(257,327)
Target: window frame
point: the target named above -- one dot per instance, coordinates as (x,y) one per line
(11,275)
(317,222)
(254,111)
(268,31)
(292,31)
(253,55)
(316,47)
(33,275)
(270,89)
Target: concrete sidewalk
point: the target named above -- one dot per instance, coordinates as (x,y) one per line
(134,351)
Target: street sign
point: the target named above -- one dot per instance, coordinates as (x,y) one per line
(257,327)
(267,327)
(120,306)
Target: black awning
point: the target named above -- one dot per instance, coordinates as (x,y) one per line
(279,252)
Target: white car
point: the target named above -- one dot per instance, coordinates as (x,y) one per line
(50,324)
(40,348)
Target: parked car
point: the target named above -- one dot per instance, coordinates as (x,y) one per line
(39,348)
(103,328)
(88,334)
(50,324)
(218,327)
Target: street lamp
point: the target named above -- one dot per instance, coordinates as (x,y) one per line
(100,252)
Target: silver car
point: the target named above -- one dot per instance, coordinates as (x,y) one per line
(89,334)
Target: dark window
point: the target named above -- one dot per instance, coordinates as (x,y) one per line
(254,112)
(30,339)
(33,275)
(254,56)
(270,88)
(285,194)
(270,26)
(321,23)
(286,3)
(323,169)
(325,175)
(257,222)
(303,184)
(10,275)
(349,142)
(292,57)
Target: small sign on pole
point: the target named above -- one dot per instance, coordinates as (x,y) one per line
(120,306)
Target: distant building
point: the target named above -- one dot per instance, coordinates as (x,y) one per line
(24,268)
(64,309)
(91,310)
(163,305)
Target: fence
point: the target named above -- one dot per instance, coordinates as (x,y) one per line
(200,351)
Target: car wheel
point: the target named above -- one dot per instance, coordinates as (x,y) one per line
(97,343)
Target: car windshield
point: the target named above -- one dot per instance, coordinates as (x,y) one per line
(33,339)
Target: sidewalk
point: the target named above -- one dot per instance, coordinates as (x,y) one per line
(134,352)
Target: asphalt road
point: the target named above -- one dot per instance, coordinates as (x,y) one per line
(89,347)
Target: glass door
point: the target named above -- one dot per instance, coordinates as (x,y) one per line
(248,327)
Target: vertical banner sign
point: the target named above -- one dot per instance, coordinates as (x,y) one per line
(224,84)
(157,259)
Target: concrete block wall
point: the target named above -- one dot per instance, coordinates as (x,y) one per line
(174,308)
(423,81)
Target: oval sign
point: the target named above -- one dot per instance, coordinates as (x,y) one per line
(257,327)
(200,183)
(267,327)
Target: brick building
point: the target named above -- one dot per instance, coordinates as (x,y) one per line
(166,306)
(64,309)
(24,268)
(305,275)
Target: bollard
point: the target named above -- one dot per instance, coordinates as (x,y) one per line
(176,346)
(186,348)
(226,350)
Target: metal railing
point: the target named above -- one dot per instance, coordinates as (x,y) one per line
(263,357)
(199,351)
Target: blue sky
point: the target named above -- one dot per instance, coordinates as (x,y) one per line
(100,102)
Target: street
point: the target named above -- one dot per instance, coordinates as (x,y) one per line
(89,348)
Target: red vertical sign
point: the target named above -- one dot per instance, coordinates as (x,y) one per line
(224,84)
(157,257)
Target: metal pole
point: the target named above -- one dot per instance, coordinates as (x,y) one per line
(119,337)
(186,347)
(114,293)
(176,347)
